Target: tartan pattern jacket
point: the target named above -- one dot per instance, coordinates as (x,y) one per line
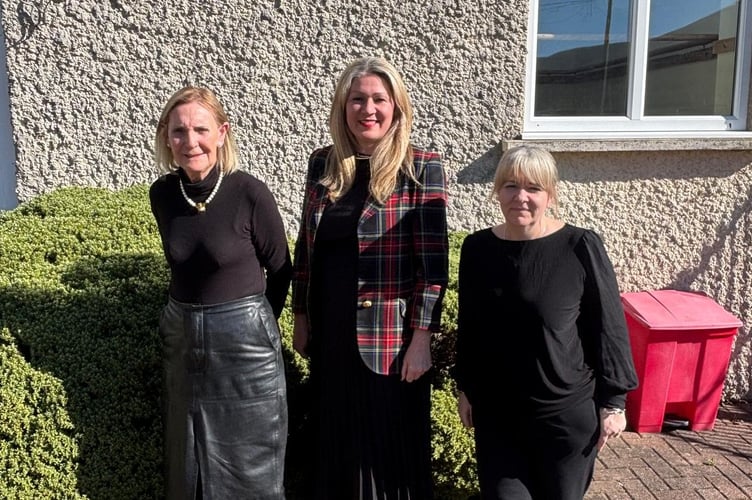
(402,262)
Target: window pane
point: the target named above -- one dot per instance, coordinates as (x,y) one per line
(691,55)
(582,58)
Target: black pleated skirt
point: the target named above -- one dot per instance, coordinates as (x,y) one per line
(370,432)
(225,411)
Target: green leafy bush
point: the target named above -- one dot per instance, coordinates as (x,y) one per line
(37,450)
(82,281)
(82,284)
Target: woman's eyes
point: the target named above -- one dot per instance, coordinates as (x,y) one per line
(179,132)
(377,100)
(529,188)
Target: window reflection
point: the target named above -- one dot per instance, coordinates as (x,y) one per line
(583,57)
(691,59)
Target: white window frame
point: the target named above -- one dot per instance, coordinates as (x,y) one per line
(635,124)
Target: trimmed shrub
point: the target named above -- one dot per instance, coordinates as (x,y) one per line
(37,450)
(82,283)
(454,468)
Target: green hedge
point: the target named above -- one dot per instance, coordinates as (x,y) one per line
(82,283)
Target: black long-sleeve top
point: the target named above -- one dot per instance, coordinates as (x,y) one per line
(236,248)
(541,324)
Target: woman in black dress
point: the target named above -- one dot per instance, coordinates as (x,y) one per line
(543,358)
(370,271)
(223,238)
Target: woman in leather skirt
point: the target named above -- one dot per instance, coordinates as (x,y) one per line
(224,241)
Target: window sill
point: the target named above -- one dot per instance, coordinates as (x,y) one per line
(729,141)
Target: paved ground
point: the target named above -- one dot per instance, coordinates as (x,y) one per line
(680,464)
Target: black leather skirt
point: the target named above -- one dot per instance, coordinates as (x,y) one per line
(225,400)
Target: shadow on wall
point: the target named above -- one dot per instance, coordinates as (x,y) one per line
(738,227)
(481,170)
(721,256)
(621,166)
(99,337)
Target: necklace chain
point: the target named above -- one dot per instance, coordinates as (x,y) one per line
(201,206)
(543,231)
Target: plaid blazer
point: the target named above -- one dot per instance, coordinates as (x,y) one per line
(403,259)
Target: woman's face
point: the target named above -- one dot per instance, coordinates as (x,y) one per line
(194,136)
(523,202)
(369,112)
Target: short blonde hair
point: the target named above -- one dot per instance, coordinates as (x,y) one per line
(227,155)
(528,163)
(392,154)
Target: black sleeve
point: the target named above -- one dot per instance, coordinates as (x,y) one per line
(606,338)
(468,325)
(270,241)
(157,203)
(155,194)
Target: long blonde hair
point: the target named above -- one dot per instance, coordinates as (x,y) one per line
(227,155)
(393,153)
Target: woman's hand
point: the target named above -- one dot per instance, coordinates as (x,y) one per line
(612,425)
(418,356)
(300,334)
(465,409)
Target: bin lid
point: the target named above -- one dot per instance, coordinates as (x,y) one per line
(677,310)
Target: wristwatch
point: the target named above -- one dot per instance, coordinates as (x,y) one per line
(612,411)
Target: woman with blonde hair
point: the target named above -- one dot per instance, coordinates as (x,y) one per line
(225,396)
(543,359)
(370,270)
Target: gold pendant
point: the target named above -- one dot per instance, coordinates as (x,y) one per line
(201,207)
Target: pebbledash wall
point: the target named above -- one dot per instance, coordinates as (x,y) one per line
(87,80)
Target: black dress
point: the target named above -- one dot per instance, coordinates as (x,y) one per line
(542,343)
(371,431)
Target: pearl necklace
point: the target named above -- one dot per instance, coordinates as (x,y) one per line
(201,206)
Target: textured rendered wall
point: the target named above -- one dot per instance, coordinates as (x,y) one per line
(88,79)
(680,220)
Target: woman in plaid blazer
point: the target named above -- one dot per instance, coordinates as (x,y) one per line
(370,270)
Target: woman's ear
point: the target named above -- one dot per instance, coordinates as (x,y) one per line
(222,133)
